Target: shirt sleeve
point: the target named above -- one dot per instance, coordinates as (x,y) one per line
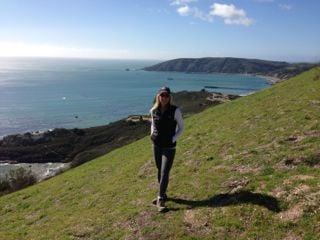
(180,125)
(152,123)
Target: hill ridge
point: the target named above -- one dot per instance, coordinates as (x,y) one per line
(276,69)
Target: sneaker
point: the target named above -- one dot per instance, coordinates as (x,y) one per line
(161,205)
(154,201)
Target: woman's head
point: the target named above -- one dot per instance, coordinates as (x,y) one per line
(163,97)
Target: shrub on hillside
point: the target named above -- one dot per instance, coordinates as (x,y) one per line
(17,179)
(4,186)
(20,178)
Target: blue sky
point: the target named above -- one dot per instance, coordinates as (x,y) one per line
(161,29)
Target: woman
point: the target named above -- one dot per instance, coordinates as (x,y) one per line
(166,127)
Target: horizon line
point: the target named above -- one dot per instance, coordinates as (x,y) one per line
(152,59)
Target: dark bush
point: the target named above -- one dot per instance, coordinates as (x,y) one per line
(4,186)
(17,179)
(20,178)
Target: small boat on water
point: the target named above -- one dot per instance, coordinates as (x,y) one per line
(169,78)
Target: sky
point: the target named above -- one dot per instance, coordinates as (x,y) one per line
(286,30)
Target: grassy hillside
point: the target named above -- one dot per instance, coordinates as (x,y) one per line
(247,169)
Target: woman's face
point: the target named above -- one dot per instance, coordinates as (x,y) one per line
(164,99)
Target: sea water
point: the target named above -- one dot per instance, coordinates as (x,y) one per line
(43,93)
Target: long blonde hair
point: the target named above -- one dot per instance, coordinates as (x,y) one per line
(157,102)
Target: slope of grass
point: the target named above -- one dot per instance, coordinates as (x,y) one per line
(247,169)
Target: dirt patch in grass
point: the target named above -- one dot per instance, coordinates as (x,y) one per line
(190,152)
(292,214)
(313,133)
(218,169)
(278,192)
(295,138)
(236,185)
(291,236)
(223,151)
(295,178)
(147,169)
(315,102)
(271,145)
(33,217)
(262,185)
(298,191)
(312,202)
(196,223)
(243,169)
(307,200)
(136,226)
(293,161)
(80,231)
(310,160)
(302,188)
(194,163)
(299,137)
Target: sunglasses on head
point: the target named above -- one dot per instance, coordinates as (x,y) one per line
(164,95)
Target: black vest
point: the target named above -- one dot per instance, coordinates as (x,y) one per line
(164,127)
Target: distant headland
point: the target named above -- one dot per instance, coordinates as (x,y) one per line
(277,70)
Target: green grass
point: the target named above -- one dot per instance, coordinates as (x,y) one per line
(246,140)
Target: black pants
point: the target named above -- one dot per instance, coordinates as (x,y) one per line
(164,160)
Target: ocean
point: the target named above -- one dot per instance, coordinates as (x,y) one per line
(38,94)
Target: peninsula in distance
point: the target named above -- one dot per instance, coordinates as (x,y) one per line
(276,69)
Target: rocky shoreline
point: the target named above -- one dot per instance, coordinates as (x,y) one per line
(80,145)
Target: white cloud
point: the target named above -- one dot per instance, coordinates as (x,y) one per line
(230,14)
(184,10)
(285,7)
(199,14)
(195,12)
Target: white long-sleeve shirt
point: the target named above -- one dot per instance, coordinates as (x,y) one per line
(179,128)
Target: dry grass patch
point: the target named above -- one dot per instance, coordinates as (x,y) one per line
(292,214)
(244,169)
(147,169)
(236,185)
(292,236)
(197,222)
